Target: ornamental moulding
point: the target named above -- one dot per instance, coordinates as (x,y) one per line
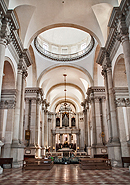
(34,90)
(9,23)
(112,44)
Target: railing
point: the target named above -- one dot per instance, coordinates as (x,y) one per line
(64,57)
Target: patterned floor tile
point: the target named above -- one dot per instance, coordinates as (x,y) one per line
(65,175)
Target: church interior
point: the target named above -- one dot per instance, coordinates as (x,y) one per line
(65,91)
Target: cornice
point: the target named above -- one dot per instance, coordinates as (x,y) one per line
(27,57)
(34,90)
(12,19)
(95,89)
(8,17)
(96,93)
(101,56)
(3,7)
(114,17)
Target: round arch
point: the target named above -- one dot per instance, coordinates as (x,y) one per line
(90,80)
(119,72)
(68,84)
(64,25)
(9,80)
(73,101)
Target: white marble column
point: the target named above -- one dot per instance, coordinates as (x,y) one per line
(17,107)
(114,148)
(115,132)
(4,123)
(32,122)
(77,120)
(60,119)
(85,127)
(69,120)
(2,56)
(42,127)
(88,125)
(124,38)
(37,130)
(54,121)
(22,107)
(77,139)
(4,40)
(94,134)
(104,73)
(46,128)
(53,142)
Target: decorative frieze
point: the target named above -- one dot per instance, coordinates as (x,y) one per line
(7,104)
(8,99)
(123,102)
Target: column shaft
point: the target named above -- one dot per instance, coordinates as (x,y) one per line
(22,110)
(115,134)
(94,138)
(61,120)
(43,128)
(85,127)
(46,129)
(2,57)
(17,107)
(126,51)
(108,108)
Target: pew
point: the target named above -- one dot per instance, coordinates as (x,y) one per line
(105,156)
(125,160)
(95,164)
(6,161)
(37,164)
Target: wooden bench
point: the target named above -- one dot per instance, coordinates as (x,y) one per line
(95,164)
(105,156)
(37,164)
(125,160)
(6,161)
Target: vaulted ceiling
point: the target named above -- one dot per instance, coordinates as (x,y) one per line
(35,17)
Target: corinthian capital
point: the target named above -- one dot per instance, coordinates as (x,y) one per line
(5,30)
(122,29)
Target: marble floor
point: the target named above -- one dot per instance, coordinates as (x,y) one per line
(65,174)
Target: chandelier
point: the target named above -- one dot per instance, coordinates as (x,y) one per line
(65,103)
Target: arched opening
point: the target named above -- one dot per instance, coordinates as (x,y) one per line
(119,75)
(8,78)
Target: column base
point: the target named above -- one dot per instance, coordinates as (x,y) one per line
(114,153)
(17,153)
(81,149)
(30,150)
(6,151)
(1,170)
(43,151)
(38,153)
(93,150)
(89,151)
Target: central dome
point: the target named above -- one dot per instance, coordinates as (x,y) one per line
(64,43)
(65,36)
